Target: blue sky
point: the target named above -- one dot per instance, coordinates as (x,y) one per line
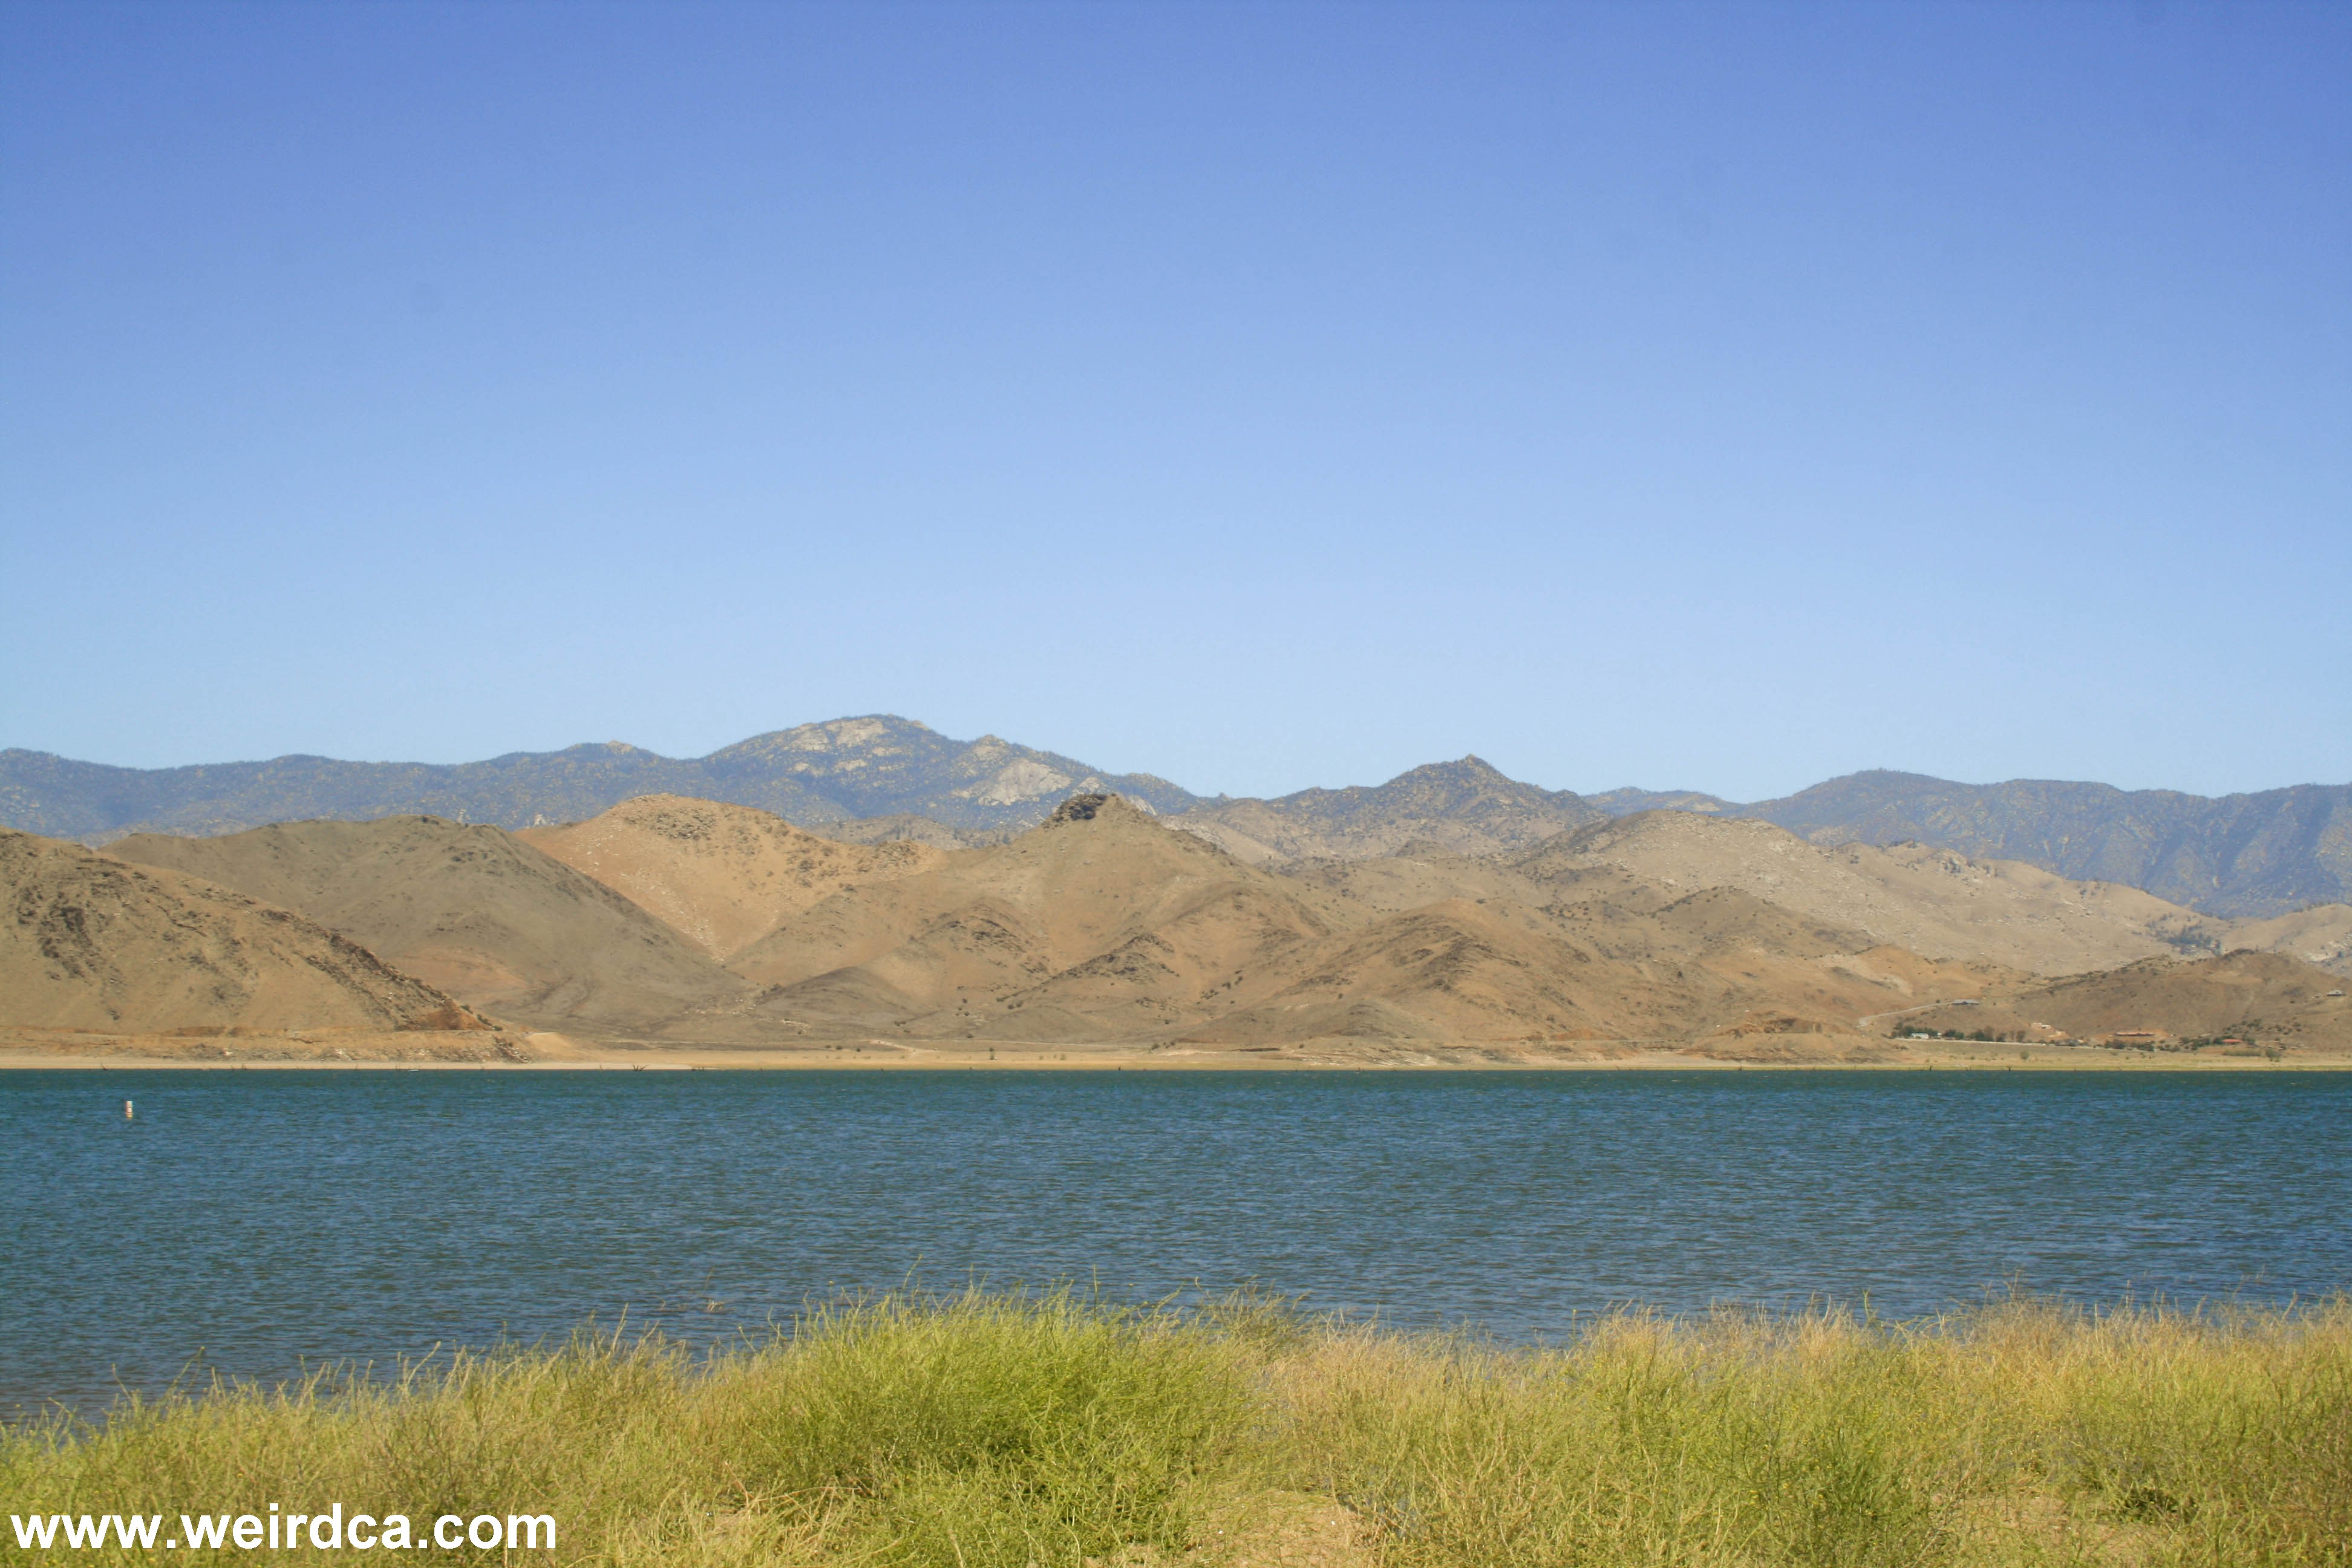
(1716,397)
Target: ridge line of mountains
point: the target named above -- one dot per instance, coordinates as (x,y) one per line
(669,922)
(879,778)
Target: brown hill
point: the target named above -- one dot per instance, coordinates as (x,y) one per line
(90,943)
(2321,934)
(723,875)
(1935,903)
(1422,873)
(2261,998)
(1774,963)
(1459,970)
(905,829)
(1464,808)
(1636,967)
(473,910)
(1099,925)
(1106,924)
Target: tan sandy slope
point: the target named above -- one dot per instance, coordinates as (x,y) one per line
(473,910)
(723,875)
(90,943)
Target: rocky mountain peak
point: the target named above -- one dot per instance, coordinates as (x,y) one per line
(1078,808)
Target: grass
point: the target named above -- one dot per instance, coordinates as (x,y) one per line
(995,1430)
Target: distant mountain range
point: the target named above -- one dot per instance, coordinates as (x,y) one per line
(848,769)
(2240,856)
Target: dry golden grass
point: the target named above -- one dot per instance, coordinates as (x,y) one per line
(998,1430)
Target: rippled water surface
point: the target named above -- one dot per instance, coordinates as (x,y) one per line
(254,1219)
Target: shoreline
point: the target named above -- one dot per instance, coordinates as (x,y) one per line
(509,1051)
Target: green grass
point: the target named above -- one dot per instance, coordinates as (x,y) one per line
(995,1430)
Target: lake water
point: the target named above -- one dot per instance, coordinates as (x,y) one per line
(246,1221)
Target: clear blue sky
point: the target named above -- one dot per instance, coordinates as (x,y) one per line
(1265,395)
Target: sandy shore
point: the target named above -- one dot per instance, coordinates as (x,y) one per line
(510,1051)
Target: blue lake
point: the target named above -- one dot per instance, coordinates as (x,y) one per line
(249,1221)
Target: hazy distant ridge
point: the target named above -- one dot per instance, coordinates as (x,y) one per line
(864,767)
(2241,855)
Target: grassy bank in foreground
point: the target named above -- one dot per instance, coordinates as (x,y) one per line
(987,1430)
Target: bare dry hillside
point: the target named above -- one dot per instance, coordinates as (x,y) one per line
(905,829)
(90,943)
(2264,999)
(1636,966)
(1099,923)
(1465,807)
(1934,902)
(492,920)
(1105,924)
(723,875)
(2321,934)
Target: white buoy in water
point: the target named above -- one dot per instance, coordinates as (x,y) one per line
(126,1110)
